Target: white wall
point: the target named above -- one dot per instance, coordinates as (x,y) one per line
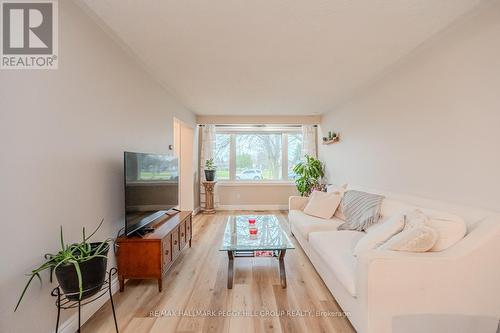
(62,136)
(431,126)
(255,196)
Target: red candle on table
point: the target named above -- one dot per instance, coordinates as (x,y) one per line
(251,221)
(253,231)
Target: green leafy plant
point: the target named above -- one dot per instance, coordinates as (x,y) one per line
(73,254)
(209,164)
(309,172)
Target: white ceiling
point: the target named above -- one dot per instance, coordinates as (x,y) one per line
(269,57)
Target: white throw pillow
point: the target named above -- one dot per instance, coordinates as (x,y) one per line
(342,189)
(380,233)
(323,204)
(418,238)
(450,228)
(339,213)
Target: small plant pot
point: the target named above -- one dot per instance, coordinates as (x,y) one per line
(210,175)
(93,276)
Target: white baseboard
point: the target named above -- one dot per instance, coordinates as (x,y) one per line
(196,210)
(71,324)
(252,207)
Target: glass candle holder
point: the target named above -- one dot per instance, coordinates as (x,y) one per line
(253,231)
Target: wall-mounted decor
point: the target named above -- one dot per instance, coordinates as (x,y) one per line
(331,138)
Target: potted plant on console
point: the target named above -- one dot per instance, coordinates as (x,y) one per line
(210,170)
(80,268)
(309,173)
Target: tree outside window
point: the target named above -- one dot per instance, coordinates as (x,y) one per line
(257,155)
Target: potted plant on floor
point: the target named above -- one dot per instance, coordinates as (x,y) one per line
(309,173)
(210,170)
(80,267)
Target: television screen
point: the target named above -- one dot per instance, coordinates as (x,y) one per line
(151,188)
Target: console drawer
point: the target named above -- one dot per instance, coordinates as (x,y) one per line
(175,242)
(167,251)
(189,229)
(182,235)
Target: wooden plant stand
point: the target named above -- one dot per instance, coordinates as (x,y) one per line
(209,197)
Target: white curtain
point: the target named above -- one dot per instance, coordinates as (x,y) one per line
(206,153)
(207,145)
(309,140)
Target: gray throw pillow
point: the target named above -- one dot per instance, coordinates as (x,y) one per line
(360,209)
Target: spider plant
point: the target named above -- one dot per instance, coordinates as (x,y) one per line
(73,254)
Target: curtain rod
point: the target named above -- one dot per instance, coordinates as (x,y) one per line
(255,125)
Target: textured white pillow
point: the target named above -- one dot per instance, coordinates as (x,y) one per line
(419,238)
(322,204)
(450,228)
(379,233)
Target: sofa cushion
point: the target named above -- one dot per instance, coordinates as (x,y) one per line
(305,224)
(322,204)
(336,248)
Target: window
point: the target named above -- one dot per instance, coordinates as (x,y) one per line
(221,155)
(257,154)
(294,153)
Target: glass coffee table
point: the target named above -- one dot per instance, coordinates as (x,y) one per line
(270,238)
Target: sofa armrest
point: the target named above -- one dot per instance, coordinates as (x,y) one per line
(297,203)
(392,284)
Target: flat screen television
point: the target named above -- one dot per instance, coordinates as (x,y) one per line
(151,188)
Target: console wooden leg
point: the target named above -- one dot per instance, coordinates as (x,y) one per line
(160,284)
(189,243)
(121,280)
(282,268)
(230,268)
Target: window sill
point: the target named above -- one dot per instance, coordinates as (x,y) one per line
(255,183)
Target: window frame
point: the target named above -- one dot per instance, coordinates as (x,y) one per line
(233,131)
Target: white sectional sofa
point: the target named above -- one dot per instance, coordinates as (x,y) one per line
(455,290)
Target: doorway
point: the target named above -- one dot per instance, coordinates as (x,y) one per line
(184,150)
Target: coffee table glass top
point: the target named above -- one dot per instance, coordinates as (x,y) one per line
(270,235)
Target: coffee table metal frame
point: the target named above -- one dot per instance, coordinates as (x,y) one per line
(278,253)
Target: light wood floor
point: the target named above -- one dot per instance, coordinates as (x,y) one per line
(197,282)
